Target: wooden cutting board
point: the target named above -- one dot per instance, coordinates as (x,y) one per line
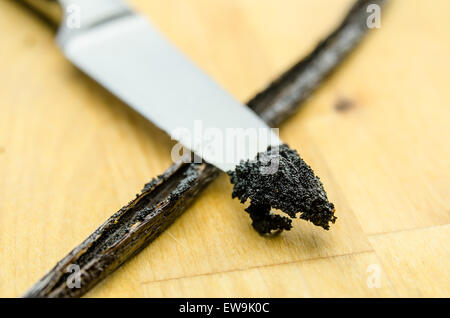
(377,133)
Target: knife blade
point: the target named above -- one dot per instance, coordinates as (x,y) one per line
(126,54)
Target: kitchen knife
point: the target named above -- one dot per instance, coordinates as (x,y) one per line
(126,54)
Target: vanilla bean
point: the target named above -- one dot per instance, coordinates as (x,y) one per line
(164,199)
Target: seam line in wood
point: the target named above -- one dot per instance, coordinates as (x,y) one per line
(260,267)
(409,230)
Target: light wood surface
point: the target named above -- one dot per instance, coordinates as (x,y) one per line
(71,155)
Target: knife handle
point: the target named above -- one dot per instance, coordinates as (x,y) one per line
(50,10)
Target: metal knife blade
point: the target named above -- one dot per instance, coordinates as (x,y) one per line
(127,55)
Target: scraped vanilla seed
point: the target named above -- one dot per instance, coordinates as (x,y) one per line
(291,187)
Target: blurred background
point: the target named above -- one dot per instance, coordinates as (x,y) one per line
(377,133)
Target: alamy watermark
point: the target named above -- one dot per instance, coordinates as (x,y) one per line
(74,279)
(73,16)
(374,19)
(374,277)
(225,147)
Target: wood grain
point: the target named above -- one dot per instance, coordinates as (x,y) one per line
(415,259)
(311,278)
(70,155)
